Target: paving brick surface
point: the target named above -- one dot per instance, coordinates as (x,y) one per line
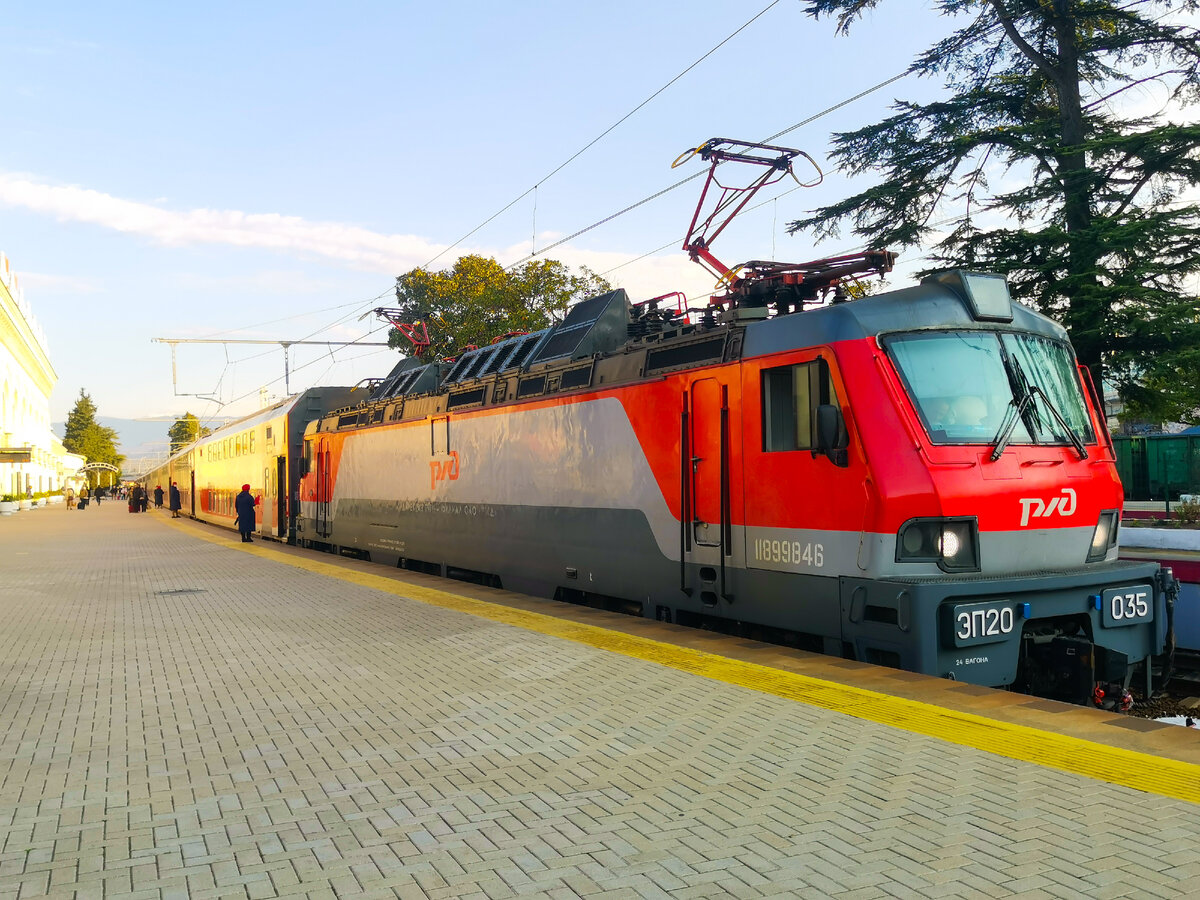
(181,719)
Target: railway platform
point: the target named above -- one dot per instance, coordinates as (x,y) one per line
(183,715)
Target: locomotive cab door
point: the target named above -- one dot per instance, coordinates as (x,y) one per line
(282,490)
(706,528)
(324,488)
(268,503)
(706,461)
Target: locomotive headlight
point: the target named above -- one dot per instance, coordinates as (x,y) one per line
(951,543)
(1104,537)
(960,546)
(914,539)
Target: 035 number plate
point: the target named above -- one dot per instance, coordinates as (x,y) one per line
(1126,606)
(982,623)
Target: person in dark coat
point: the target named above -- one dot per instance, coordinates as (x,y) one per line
(244,505)
(176,503)
(145,504)
(158,495)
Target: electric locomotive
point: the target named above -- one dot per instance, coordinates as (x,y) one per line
(918,478)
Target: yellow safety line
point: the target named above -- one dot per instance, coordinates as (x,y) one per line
(1141,771)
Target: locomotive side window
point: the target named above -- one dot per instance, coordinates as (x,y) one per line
(791,395)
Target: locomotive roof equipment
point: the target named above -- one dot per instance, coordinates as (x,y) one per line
(754,287)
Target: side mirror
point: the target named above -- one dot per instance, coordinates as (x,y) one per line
(832,438)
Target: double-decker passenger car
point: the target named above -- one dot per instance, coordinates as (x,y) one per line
(261,450)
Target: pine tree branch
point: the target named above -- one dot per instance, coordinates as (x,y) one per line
(1045,65)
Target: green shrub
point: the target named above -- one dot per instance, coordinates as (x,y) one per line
(1187,512)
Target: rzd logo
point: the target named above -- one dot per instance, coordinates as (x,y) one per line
(443,470)
(1036,508)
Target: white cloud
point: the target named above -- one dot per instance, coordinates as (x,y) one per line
(359,248)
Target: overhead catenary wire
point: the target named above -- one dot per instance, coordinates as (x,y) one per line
(231,364)
(696,175)
(358,304)
(590,144)
(322,358)
(806,121)
(534,188)
(600,136)
(767,140)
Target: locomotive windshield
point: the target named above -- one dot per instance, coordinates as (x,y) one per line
(969,385)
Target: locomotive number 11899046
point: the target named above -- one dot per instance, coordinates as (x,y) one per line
(796,553)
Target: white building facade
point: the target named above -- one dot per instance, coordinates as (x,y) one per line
(32,459)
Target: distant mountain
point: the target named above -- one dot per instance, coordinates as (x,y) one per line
(135,438)
(139,441)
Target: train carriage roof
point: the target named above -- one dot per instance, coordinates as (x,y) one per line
(297,403)
(930,304)
(283,407)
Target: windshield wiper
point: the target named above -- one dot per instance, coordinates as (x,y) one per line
(1076,440)
(1023,394)
(1022,397)
(1009,424)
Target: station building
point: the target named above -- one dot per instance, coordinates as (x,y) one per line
(32,459)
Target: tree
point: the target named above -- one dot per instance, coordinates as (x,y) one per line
(87,437)
(1088,221)
(81,418)
(478,300)
(187,428)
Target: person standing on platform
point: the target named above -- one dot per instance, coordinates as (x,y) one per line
(83,497)
(176,503)
(70,498)
(145,500)
(244,505)
(158,496)
(135,499)
(97,494)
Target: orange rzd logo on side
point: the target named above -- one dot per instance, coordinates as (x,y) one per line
(443,470)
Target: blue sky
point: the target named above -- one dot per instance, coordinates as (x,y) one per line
(260,171)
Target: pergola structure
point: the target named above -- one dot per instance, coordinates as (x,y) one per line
(100,467)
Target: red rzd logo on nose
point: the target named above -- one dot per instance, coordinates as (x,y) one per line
(443,470)
(1037,508)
